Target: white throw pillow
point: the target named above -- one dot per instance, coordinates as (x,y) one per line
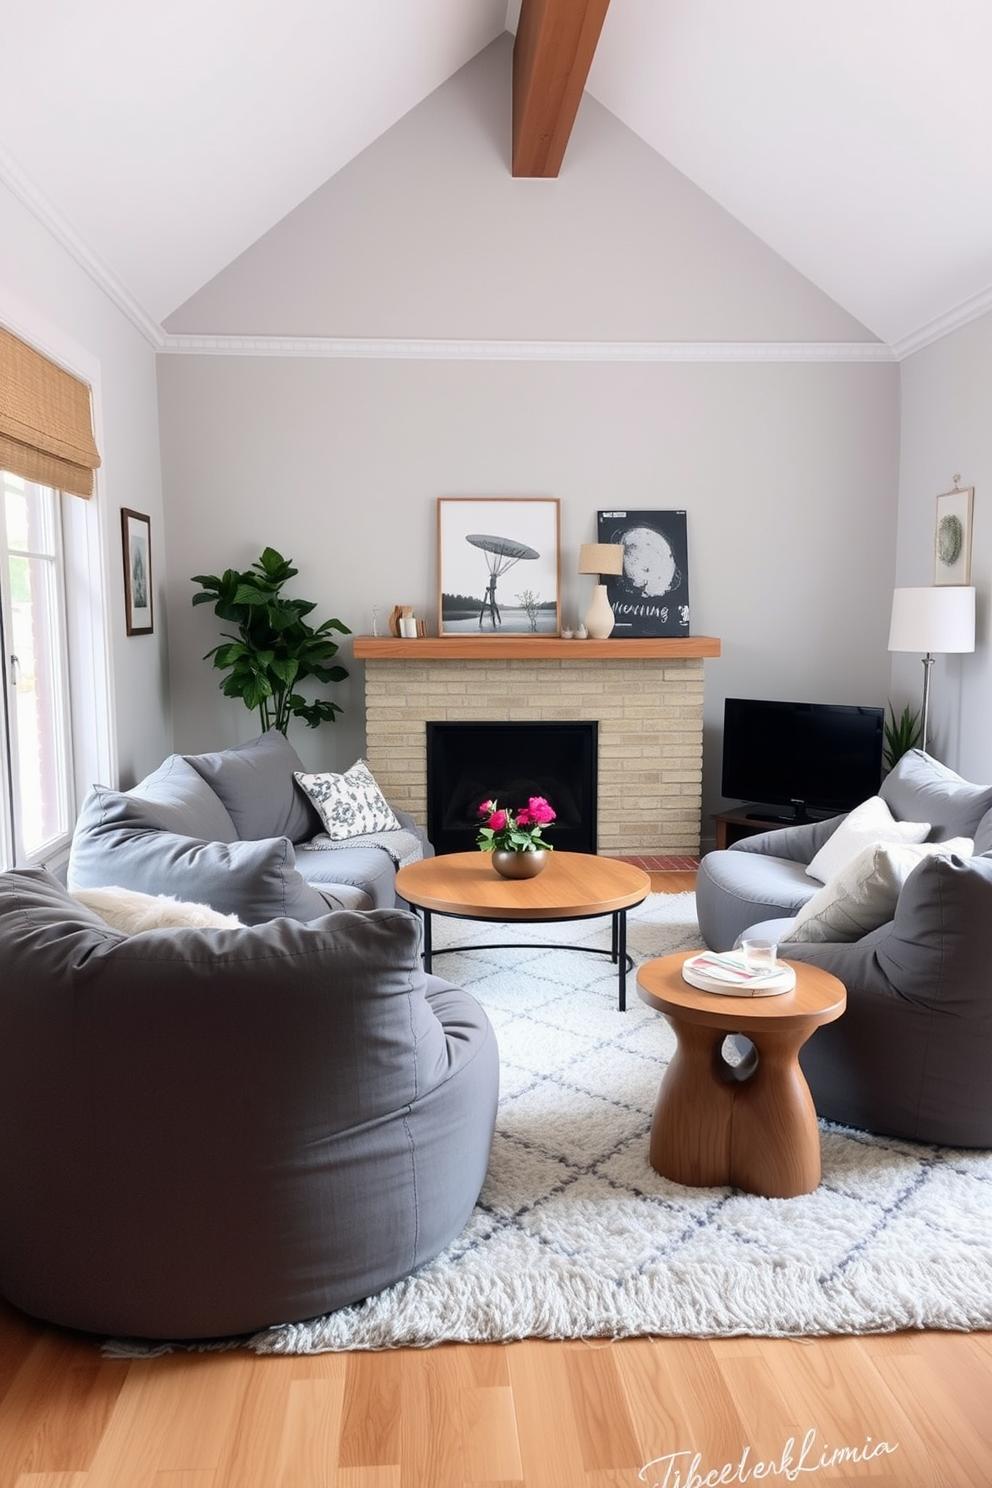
(130,912)
(350,804)
(865,893)
(871,822)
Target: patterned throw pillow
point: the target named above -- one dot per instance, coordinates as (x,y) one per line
(351,804)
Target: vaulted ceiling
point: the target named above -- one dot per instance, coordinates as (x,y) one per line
(855,139)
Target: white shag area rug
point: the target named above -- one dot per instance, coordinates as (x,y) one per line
(576,1236)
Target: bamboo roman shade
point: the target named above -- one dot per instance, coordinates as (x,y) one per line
(46,428)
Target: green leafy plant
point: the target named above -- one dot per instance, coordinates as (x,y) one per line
(275,647)
(901,734)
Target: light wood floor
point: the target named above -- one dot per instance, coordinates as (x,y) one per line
(909,1410)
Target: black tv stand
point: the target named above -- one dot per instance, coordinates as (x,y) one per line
(751,817)
(780,818)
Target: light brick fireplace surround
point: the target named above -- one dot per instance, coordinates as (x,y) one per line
(646,695)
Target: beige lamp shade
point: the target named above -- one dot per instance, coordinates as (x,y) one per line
(601,558)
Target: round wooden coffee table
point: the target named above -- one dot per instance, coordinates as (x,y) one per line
(573,886)
(751,1125)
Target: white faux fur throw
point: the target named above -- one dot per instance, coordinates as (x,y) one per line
(130,912)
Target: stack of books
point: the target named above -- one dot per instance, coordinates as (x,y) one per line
(725,971)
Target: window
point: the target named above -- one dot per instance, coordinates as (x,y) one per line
(37,764)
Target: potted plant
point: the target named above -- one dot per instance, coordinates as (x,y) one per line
(515,837)
(900,734)
(274,647)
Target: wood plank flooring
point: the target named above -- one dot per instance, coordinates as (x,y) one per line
(909,1410)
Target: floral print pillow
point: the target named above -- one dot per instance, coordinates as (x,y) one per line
(350,805)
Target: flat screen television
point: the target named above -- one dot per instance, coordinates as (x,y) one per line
(816,759)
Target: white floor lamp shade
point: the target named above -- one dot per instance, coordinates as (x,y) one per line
(938,618)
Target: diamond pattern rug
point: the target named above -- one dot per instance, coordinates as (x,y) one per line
(575,1235)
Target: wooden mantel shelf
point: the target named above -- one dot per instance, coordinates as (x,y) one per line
(532,648)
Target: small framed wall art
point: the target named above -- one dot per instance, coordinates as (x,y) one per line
(952,537)
(136,535)
(499,565)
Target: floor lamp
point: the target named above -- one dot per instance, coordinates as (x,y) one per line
(940,618)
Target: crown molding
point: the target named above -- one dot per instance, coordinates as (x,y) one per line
(420,349)
(41,207)
(952,320)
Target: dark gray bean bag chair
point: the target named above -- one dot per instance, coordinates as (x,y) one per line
(205,1132)
(912,1055)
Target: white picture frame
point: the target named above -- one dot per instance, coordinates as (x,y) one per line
(952,537)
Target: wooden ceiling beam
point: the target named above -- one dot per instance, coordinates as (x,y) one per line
(552,54)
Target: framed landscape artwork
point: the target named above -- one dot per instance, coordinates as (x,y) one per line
(651,596)
(498,565)
(136,534)
(952,537)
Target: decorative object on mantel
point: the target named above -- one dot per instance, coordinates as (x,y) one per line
(481,540)
(515,837)
(952,536)
(603,560)
(276,648)
(929,620)
(650,596)
(404,625)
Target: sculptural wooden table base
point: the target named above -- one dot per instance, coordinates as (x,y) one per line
(751,1125)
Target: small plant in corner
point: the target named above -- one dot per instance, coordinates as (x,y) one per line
(274,647)
(900,734)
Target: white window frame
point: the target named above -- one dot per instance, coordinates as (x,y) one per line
(13,835)
(86,548)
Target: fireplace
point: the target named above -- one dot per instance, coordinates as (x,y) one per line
(646,696)
(468,763)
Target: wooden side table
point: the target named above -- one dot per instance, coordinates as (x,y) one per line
(751,1125)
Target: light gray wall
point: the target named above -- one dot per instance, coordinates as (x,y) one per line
(946,432)
(788,470)
(427,234)
(40,276)
(787,475)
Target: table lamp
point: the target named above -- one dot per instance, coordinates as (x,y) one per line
(601,559)
(940,618)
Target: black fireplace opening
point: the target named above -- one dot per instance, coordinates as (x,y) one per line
(468,763)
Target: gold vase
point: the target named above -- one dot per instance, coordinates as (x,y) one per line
(519,864)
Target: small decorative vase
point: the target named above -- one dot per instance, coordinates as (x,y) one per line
(519,864)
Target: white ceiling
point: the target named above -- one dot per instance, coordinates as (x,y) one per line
(855,137)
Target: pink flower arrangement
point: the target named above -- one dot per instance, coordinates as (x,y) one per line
(515,831)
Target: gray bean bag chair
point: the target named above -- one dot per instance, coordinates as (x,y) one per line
(233,830)
(912,1055)
(207,1131)
(764,877)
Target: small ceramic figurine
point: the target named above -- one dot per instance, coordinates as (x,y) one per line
(581,633)
(566,634)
